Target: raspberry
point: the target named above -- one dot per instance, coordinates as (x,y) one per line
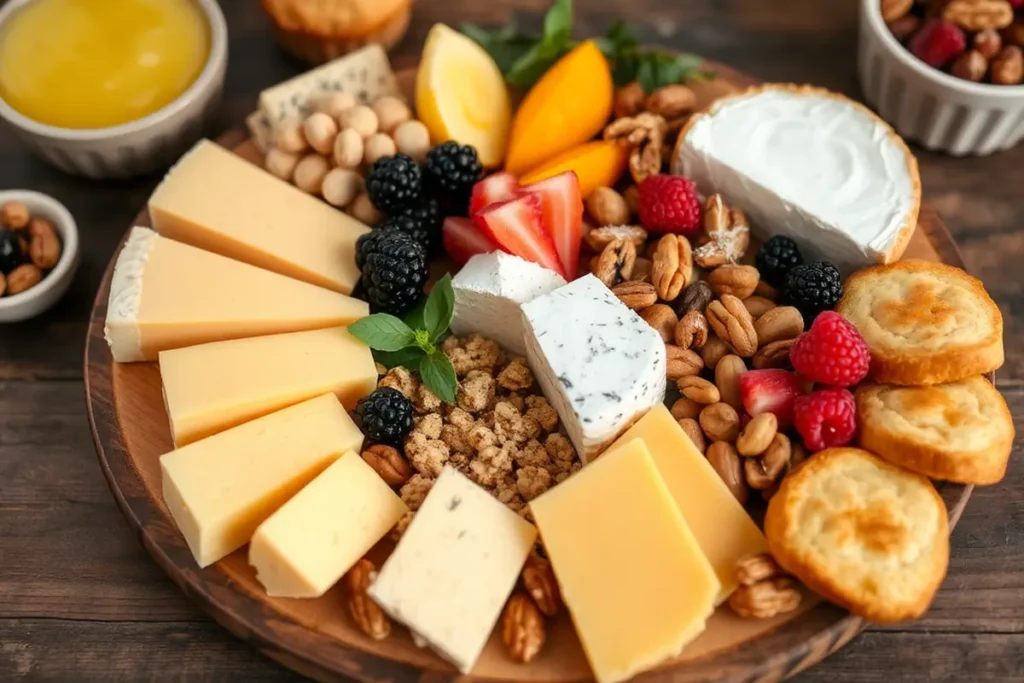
(938,42)
(825,418)
(831,352)
(670,204)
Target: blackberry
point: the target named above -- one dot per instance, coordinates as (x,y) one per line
(394,270)
(393,183)
(12,250)
(776,258)
(449,174)
(385,416)
(421,221)
(813,288)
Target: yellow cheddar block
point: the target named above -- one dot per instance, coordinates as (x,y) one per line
(630,572)
(302,550)
(167,295)
(221,488)
(216,200)
(212,387)
(724,530)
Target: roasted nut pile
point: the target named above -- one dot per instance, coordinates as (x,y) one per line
(29,248)
(764,591)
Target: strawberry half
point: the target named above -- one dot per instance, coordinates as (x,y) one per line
(770,391)
(495,188)
(561,204)
(518,227)
(462,240)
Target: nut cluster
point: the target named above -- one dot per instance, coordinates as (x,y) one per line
(649,124)
(30,247)
(327,153)
(522,623)
(764,591)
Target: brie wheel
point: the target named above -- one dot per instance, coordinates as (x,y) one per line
(809,164)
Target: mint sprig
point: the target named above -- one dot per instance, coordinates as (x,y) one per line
(413,343)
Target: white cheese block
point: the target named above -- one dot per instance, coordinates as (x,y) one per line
(488,292)
(450,575)
(809,164)
(598,362)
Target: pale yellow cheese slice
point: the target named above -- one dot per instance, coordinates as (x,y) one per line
(167,295)
(218,201)
(212,387)
(221,488)
(724,530)
(302,550)
(634,579)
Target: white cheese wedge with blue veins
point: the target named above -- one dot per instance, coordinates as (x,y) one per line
(488,292)
(598,362)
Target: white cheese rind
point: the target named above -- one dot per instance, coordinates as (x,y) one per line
(488,292)
(121,329)
(810,165)
(450,575)
(598,362)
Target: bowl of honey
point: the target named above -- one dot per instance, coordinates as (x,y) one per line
(111,89)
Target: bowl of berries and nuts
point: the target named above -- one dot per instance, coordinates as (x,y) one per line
(946,73)
(38,253)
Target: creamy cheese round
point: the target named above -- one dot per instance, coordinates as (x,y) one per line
(806,161)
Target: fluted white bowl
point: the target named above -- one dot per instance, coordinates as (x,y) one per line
(941,112)
(136,147)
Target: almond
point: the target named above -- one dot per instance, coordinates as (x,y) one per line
(605,206)
(727,379)
(691,331)
(740,281)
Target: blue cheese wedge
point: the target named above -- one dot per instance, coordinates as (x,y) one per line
(454,568)
(488,292)
(598,362)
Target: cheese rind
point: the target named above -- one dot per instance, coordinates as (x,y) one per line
(723,529)
(488,292)
(216,200)
(167,295)
(220,489)
(302,550)
(212,387)
(630,572)
(454,568)
(598,362)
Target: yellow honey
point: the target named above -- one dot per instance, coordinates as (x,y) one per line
(99,63)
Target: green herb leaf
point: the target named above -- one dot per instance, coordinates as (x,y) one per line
(437,312)
(382,332)
(408,357)
(437,373)
(414,318)
(558,22)
(505,45)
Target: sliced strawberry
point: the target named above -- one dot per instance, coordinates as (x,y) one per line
(562,205)
(518,226)
(770,391)
(495,188)
(462,239)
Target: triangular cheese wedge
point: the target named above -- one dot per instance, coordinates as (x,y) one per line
(166,295)
(216,200)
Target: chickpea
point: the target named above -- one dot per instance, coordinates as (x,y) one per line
(361,118)
(377,145)
(341,185)
(363,210)
(320,131)
(348,148)
(390,111)
(290,137)
(413,138)
(310,173)
(333,104)
(281,163)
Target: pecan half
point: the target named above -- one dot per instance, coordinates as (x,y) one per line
(1008,66)
(599,238)
(773,355)
(728,233)
(756,568)
(522,628)
(615,263)
(672,266)
(740,281)
(682,362)
(369,617)
(636,295)
(540,583)
(44,247)
(895,9)
(629,100)
(777,324)
(731,321)
(692,331)
(979,15)
(698,390)
(763,471)
(765,599)
(22,278)
(645,135)
(671,101)
(388,463)
(662,318)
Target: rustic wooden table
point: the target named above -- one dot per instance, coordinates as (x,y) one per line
(79,598)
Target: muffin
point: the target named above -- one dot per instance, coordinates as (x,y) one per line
(317,31)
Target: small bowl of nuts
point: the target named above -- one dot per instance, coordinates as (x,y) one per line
(946,73)
(38,253)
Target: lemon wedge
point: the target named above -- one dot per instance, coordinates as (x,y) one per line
(461,95)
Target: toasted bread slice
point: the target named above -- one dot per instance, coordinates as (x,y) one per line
(961,431)
(861,532)
(925,323)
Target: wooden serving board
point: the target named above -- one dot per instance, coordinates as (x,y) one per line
(317,637)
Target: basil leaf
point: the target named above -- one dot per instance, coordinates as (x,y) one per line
(407,357)
(558,22)
(646,76)
(382,332)
(414,318)
(505,45)
(437,373)
(437,312)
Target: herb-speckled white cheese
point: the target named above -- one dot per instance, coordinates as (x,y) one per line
(454,568)
(598,362)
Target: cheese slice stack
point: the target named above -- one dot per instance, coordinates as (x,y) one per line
(809,164)
(211,387)
(166,295)
(218,201)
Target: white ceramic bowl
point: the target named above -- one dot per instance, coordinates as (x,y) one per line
(940,111)
(140,146)
(51,288)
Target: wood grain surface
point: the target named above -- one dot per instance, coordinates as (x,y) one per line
(80,600)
